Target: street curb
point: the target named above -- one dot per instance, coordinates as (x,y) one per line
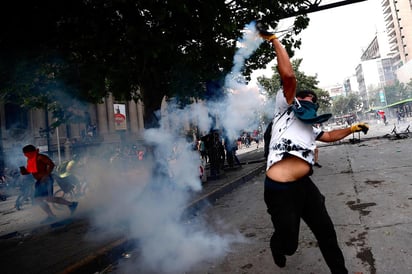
(114,250)
(211,197)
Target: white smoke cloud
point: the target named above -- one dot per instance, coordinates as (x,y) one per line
(150,202)
(147,202)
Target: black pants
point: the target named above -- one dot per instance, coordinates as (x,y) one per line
(287,203)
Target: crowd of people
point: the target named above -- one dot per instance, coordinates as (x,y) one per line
(218,150)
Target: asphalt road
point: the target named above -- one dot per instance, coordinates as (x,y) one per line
(369,197)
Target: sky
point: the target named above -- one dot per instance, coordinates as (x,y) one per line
(332,44)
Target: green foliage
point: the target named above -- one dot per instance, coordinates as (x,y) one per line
(346,104)
(133,49)
(273,84)
(393,93)
(324,100)
(397,92)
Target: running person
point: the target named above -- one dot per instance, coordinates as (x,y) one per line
(41,167)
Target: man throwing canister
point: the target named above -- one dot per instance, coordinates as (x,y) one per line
(289,192)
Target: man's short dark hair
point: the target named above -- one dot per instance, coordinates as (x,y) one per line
(29,148)
(305,93)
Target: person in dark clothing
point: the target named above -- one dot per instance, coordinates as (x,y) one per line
(234,149)
(25,191)
(266,139)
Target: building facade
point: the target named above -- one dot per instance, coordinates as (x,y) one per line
(109,122)
(398,21)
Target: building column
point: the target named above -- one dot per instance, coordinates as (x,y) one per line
(39,120)
(133,119)
(140,111)
(102,118)
(110,113)
(164,117)
(75,130)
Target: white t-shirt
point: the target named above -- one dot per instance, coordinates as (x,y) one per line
(290,135)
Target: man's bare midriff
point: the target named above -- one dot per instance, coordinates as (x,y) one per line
(288,169)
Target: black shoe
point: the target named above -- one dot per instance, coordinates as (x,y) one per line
(280,260)
(73,207)
(317,165)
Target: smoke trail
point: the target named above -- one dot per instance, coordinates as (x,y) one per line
(243,101)
(247,45)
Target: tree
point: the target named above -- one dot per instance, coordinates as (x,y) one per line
(325,101)
(409,85)
(397,92)
(374,97)
(133,49)
(346,104)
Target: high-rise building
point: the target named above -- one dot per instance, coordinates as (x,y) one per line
(398,21)
(376,68)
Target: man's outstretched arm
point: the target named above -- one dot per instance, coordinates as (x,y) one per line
(338,134)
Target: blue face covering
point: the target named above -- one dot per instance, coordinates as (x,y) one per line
(306,112)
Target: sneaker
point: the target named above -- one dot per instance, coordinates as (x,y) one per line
(73,207)
(49,219)
(317,165)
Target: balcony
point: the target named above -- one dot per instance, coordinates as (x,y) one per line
(394,47)
(388,18)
